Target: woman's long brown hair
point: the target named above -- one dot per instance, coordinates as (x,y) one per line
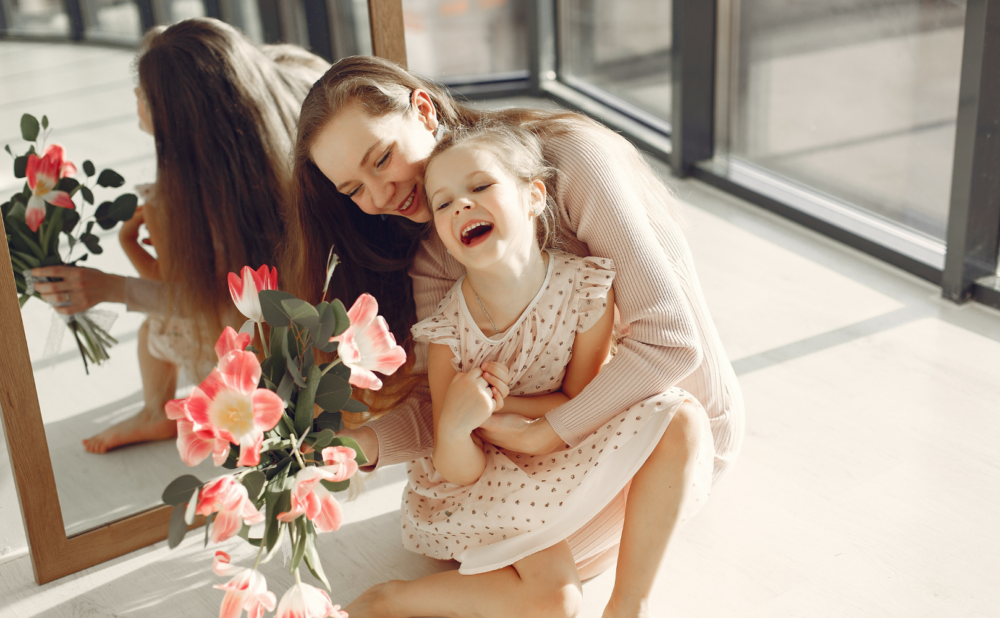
(224,118)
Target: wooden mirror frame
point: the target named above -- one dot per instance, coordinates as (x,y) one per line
(53,553)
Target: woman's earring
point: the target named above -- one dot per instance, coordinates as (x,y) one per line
(438,132)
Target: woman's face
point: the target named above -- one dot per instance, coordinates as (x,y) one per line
(379,161)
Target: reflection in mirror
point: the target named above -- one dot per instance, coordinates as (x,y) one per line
(99,124)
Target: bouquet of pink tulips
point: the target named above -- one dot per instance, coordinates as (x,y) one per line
(35,216)
(259,417)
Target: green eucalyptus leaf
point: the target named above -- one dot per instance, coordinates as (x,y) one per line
(270,305)
(301,312)
(92,242)
(293,370)
(110,178)
(9,151)
(45,122)
(322,439)
(328,420)
(279,334)
(67,184)
(29,128)
(70,220)
(338,486)
(20,166)
(286,387)
(208,526)
(103,217)
(312,556)
(90,226)
(343,322)
(354,406)
(327,323)
(254,482)
(178,528)
(333,392)
(124,207)
(88,195)
(180,489)
(88,168)
(307,396)
(299,549)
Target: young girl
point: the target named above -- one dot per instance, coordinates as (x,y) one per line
(524,331)
(223,114)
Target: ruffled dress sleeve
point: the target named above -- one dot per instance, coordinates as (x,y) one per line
(442,326)
(591,292)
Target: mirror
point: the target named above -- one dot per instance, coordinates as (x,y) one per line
(80,508)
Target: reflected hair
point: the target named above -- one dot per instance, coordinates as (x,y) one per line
(224,115)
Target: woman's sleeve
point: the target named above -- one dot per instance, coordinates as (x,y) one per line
(407,432)
(607,198)
(145,296)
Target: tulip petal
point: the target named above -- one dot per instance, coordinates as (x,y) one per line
(226,525)
(221,564)
(231,341)
(193,448)
(267,409)
(331,515)
(60,199)
(220,451)
(250,449)
(200,400)
(34,213)
(363,311)
(241,371)
(176,409)
(362,378)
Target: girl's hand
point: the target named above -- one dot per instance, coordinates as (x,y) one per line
(497,376)
(468,403)
(80,289)
(520,434)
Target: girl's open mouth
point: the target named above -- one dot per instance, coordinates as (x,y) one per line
(476,233)
(410,204)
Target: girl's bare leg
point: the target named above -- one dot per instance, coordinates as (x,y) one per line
(159,382)
(653,506)
(543,585)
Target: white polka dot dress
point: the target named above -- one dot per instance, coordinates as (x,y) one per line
(525,503)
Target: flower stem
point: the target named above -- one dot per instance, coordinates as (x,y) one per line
(332,364)
(298,580)
(260,550)
(263,339)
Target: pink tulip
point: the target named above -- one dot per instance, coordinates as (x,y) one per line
(227,497)
(245,289)
(228,402)
(43,174)
(340,461)
(311,499)
(305,601)
(247,590)
(195,442)
(368,345)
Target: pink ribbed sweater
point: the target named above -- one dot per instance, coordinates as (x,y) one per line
(610,205)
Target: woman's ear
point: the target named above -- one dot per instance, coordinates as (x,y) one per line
(536,197)
(421,102)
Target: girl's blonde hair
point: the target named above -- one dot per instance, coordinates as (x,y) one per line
(519,152)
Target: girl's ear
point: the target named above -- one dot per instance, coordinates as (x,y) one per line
(420,101)
(536,197)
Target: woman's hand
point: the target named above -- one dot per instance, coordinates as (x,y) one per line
(128,236)
(496,375)
(520,434)
(80,289)
(468,403)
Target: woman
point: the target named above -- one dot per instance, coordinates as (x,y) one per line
(223,114)
(365,132)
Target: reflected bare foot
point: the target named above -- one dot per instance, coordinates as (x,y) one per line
(145,426)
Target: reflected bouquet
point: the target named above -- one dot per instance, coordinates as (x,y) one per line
(35,216)
(260,417)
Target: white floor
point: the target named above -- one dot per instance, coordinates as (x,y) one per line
(869,483)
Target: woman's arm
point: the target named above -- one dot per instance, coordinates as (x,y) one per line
(590,349)
(128,236)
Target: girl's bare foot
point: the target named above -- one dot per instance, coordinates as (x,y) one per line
(374,603)
(146,426)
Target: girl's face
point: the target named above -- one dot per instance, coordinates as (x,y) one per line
(145,119)
(379,161)
(481,213)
